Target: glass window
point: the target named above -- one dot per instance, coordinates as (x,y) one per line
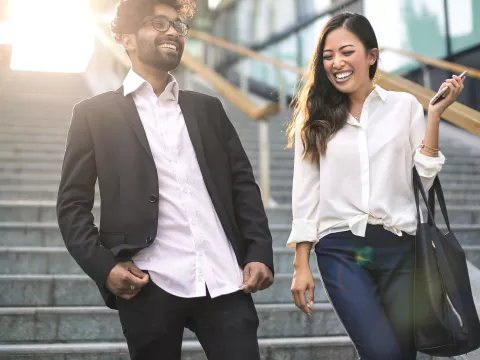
(245,21)
(406,20)
(308,39)
(464,20)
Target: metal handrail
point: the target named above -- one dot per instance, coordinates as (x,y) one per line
(438,63)
(458,114)
(241,50)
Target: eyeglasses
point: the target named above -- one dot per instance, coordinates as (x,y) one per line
(162,24)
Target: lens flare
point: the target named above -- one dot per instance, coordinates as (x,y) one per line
(50,35)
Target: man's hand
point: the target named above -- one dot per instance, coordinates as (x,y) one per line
(126,280)
(256,276)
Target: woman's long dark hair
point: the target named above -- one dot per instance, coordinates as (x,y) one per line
(322,108)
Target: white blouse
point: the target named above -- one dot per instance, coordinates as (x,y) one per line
(365,176)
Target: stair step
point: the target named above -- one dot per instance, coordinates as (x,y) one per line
(310,348)
(56,259)
(48,233)
(44,210)
(29,130)
(68,324)
(41,141)
(32,192)
(52,178)
(50,192)
(33,146)
(278,167)
(11,157)
(280,153)
(280,178)
(37,82)
(80,290)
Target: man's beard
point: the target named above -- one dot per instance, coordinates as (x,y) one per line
(150,54)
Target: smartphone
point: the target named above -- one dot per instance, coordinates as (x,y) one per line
(439,96)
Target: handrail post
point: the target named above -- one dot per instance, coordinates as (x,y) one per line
(210,55)
(427,83)
(282,94)
(243,72)
(188,79)
(264,160)
(203,52)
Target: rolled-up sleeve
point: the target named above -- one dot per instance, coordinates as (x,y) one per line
(428,167)
(305,195)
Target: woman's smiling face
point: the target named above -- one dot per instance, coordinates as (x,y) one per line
(346,61)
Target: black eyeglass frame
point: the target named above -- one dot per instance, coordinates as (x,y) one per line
(170,24)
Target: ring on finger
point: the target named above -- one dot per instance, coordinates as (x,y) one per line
(132,287)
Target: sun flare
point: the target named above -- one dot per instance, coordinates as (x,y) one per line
(50,35)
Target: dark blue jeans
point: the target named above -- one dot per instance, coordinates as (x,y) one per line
(369,281)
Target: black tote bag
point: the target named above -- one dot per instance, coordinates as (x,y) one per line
(445,318)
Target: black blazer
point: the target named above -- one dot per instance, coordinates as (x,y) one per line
(106,140)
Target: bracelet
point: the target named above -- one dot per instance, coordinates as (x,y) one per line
(428,148)
(430,151)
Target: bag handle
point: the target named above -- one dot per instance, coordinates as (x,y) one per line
(437,189)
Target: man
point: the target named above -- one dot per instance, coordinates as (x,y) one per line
(183,236)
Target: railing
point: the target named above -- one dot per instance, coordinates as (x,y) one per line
(209,56)
(458,114)
(438,63)
(461,115)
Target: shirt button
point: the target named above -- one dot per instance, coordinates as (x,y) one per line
(149,239)
(153,199)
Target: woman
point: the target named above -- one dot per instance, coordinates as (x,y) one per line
(355,148)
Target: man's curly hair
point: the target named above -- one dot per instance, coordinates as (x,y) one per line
(131,13)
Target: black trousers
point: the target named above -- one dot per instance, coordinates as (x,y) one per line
(369,281)
(153,323)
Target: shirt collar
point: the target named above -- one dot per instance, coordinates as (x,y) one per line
(377,92)
(381,92)
(133,82)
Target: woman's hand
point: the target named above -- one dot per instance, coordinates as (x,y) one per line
(301,284)
(455,87)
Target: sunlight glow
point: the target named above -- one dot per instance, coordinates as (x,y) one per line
(50,35)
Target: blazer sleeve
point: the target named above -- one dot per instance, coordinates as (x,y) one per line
(75,200)
(249,211)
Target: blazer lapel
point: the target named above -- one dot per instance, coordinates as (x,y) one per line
(193,128)
(130,114)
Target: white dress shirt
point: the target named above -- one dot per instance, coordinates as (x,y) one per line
(365,176)
(191,249)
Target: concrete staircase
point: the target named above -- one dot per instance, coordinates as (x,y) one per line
(50,310)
